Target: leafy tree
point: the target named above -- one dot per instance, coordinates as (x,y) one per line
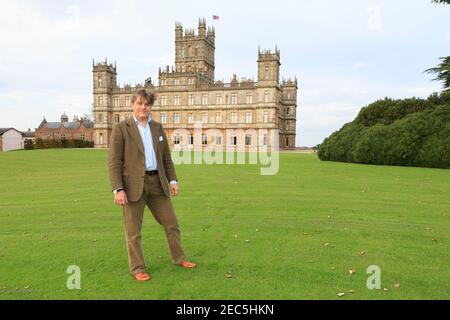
(443,72)
(28,144)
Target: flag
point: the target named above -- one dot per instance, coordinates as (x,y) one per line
(216,17)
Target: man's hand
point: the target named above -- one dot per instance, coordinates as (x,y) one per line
(120,198)
(174,189)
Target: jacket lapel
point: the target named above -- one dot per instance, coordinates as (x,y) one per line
(134,133)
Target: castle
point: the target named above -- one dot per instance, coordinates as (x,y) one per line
(239,114)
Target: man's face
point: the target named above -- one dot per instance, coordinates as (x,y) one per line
(141,109)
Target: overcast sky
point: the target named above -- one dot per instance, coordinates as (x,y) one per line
(345,54)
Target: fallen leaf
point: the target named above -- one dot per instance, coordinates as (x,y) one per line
(434,239)
(326,244)
(385,289)
(257,230)
(247,241)
(228,275)
(351,291)
(397,285)
(341,294)
(362,253)
(352,271)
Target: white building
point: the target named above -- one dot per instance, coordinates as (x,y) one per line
(10,139)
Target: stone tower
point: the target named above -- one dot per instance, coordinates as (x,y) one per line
(195,53)
(268,68)
(105,82)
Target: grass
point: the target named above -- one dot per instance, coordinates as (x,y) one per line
(56,210)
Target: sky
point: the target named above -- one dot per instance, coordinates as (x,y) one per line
(345,54)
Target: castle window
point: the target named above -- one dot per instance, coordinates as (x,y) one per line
(100,101)
(289,96)
(248,117)
(191,80)
(196,51)
(163,100)
(204,117)
(249,98)
(218,117)
(176,118)
(127,101)
(266,72)
(234,117)
(176,82)
(234,98)
(218,139)
(266,116)
(248,139)
(287,110)
(183,52)
(233,140)
(204,139)
(163,117)
(100,138)
(116,118)
(287,126)
(82,136)
(100,118)
(264,140)
(204,99)
(116,101)
(191,99)
(176,100)
(191,139)
(176,139)
(218,98)
(266,96)
(183,68)
(99,81)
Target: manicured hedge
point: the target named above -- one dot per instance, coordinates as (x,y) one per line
(409,132)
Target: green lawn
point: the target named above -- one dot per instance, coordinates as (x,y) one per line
(269,232)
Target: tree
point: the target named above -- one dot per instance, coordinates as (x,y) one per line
(441,1)
(443,72)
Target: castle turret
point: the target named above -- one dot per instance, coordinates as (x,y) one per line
(195,53)
(105,76)
(268,67)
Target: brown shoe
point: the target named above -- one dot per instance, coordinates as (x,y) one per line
(142,276)
(188,265)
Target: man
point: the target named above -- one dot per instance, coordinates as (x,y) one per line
(140,169)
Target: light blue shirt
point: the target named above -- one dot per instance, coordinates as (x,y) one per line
(147,141)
